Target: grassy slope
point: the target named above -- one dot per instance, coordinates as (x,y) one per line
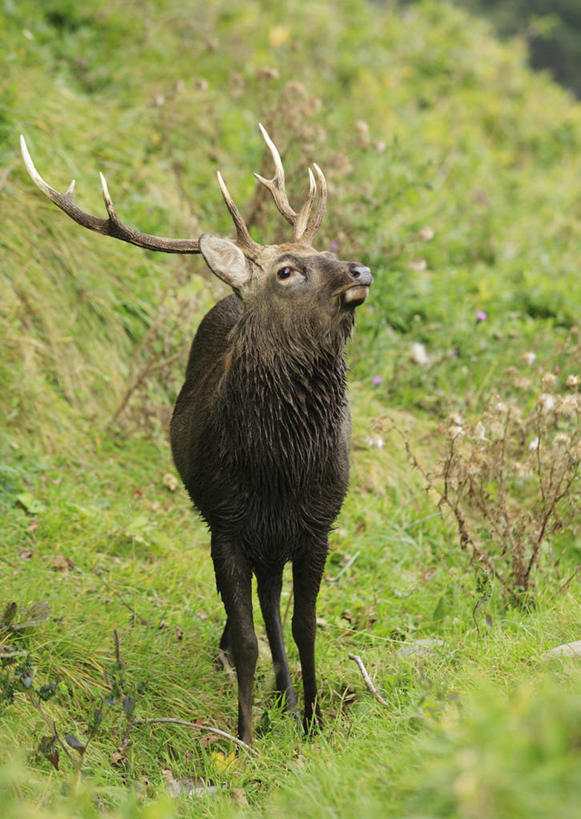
(462,138)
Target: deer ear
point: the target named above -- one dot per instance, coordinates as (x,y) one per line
(225,259)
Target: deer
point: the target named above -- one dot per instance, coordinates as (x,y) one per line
(260,432)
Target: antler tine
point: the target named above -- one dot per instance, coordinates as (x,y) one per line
(321,205)
(109,227)
(304,213)
(243,236)
(276,185)
(300,221)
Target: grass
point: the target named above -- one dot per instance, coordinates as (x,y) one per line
(113,549)
(420,120)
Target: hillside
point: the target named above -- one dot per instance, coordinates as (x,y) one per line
(454,174)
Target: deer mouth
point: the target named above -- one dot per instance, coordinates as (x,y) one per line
(355,295)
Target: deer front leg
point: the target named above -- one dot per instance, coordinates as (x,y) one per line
(233,580)
(307,574)
(224,655)
(269,588)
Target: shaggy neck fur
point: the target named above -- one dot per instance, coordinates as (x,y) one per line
(284,396)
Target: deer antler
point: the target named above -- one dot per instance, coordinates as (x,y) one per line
(109,227)
(243,238)
(300,221)
(113,226)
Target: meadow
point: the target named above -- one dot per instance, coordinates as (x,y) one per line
(453,569)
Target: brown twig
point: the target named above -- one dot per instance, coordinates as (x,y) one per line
(209,728)
(569,580)
(51,725)
(151,366)
(370,687)
(466,542)
(137,617)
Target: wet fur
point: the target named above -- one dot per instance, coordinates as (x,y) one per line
(260,436)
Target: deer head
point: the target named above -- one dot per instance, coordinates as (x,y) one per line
(290,271)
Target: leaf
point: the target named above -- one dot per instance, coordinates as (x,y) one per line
(138,528)
(441,609)
(75,743)
(9,613)
(45,692)
(48,748)
(97,717)
(128,704)
(61,563)
(35,615)
(239,796)
(30,504)
(223,763)
(278,35)
(170,482)
(118,759)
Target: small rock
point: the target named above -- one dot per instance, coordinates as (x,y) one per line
(419,648)
(565,650)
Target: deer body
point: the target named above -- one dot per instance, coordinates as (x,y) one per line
(260,436)
(260,431)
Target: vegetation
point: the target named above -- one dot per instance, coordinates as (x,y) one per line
(454,174)
(552,31)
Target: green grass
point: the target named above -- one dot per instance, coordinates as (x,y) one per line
(463,139)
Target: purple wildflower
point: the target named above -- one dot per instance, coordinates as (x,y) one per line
(377,379)
(481,315)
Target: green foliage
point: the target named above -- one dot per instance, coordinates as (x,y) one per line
(552,30)
(430,124)
(453,172)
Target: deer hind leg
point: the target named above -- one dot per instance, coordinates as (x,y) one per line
(307,575)
(234,582)
(269,588)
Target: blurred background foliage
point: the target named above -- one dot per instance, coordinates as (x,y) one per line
(551,29)
(420,119)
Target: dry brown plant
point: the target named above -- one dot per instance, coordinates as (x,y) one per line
(510,476)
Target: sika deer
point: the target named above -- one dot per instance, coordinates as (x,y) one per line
(260,431)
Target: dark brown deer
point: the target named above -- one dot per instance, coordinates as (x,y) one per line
(260,432)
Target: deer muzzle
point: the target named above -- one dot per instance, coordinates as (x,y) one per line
(355,294)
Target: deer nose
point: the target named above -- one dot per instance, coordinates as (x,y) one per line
(362,274)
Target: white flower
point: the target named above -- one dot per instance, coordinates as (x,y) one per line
(534,444)
(562,440)
(547,401)
(426,234)
(568,404)
(480,431)
(529,358)
(573,381)
(418,354)
(549,380)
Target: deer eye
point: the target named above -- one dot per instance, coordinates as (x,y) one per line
(285,273)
